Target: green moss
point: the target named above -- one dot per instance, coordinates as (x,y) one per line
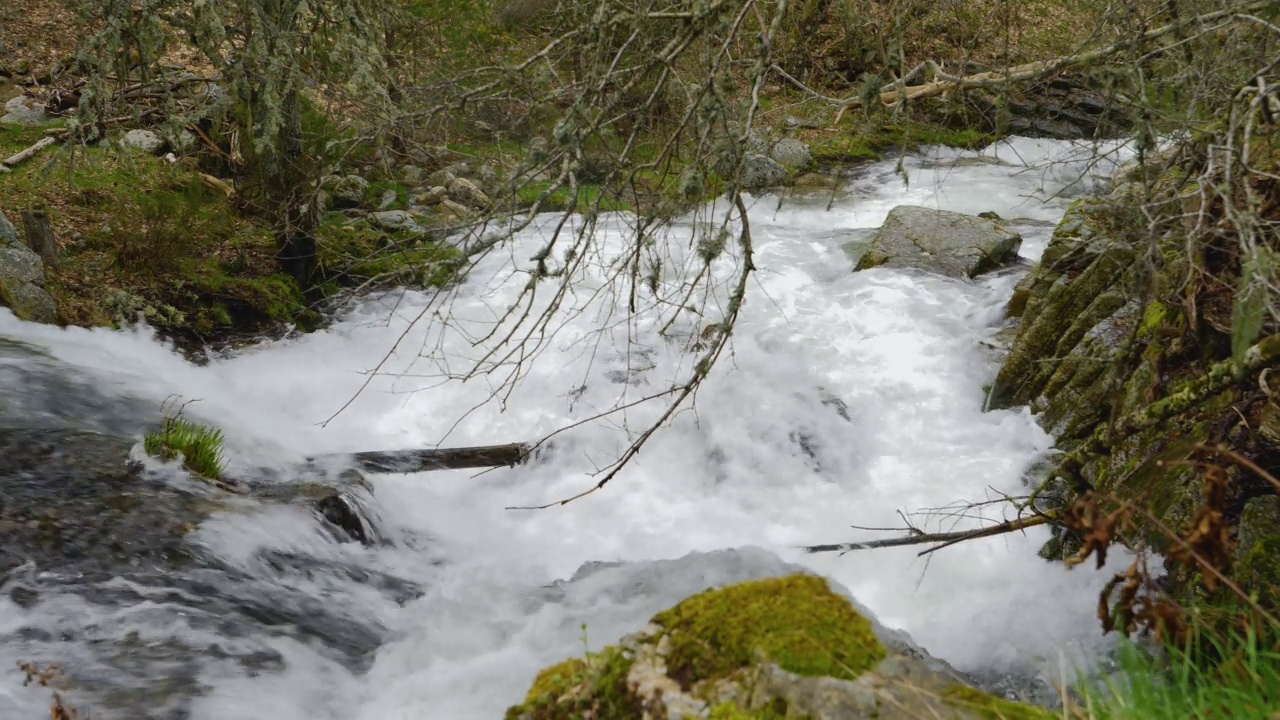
(588,196)
(990,707)
(199,446)
(354,254)
(1152,318)
(869,143)
(795,621)
(775,710)
(592,687)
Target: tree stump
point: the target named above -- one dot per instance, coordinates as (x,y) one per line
(35,222)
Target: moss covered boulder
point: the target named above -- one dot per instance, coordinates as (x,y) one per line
(783,647)
(940,242)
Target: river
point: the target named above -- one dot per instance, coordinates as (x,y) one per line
(761,459)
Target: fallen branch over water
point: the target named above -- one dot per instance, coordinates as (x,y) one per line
(943,539)
(423,460)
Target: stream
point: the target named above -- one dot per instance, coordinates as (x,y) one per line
(844,398)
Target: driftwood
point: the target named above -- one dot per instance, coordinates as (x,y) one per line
(40,238)
(411,461)
(214,183)
(942,540)
(18,158)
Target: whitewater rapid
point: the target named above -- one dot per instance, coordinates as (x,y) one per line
(758,459)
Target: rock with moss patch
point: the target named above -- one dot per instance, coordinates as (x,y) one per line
(940,242)
(792,155)
(394,221)
(770,648)
(349,192)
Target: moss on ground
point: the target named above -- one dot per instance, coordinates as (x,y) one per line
(990,707)
(795,621)
(354,254)
(593,687)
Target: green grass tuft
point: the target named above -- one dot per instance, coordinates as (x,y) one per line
(1244,684)
(200,446)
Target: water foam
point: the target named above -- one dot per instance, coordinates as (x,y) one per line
(757,460)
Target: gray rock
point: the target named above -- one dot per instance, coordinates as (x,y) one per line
(442,178)
(411,174)
(433,196)
(468,193)
(8,233)
(22,279)
(760,171)
(349,192)
(143,140)
(389,198)
(394,220)
(23,110)
(792,155)
(940,242)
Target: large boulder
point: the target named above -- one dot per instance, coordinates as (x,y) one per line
(761,171)
(784,646)
(143,140)
(22,278)
(792,155)
(940,242)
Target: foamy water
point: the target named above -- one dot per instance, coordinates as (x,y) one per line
(757,459)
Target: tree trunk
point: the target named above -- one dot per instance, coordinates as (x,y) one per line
(296,246)
(39,231)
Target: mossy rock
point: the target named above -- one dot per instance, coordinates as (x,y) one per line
(782,648)
(795,621)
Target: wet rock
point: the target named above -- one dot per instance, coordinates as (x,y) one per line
(75,499)
(792,155)
(23,110)
(337,510)
(22,279)
(940,242)
(143,140)
(349,192)
(761,171)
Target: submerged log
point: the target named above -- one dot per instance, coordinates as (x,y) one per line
(411,461)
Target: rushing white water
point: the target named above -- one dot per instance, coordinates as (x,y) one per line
(903,351)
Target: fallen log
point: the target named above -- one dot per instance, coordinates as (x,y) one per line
(423,460)
(20,157)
